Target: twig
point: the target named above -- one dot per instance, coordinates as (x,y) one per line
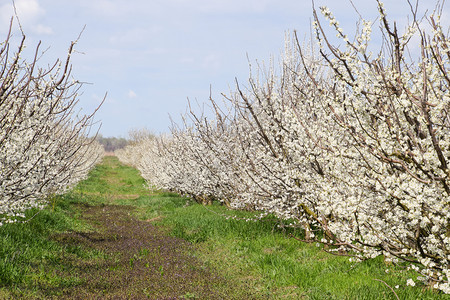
(388,287)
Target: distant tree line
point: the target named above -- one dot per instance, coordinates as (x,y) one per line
(111,144)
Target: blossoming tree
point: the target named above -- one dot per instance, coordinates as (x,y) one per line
(351,141)
(44,144)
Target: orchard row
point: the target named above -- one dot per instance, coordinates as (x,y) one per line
(44,143)
(344,139)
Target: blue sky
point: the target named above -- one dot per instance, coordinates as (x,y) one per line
(151,55)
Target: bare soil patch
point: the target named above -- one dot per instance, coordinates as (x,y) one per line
(141,261)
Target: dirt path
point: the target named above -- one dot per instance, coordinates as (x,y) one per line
(136,259)
(141,261)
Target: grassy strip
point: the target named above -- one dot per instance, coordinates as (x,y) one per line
(261,257)
(33,264)
(280,266)
(266,260)
(32,261)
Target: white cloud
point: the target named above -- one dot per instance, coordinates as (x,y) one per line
(29,9)
(6,12)
(222,7)
(42,29)
(134,35)
(108,8)
(211,62)
(251,6)
(187,60)
(120,8)
(29,13)
(131,94)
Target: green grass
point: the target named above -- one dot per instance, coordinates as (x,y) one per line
(30,258)
(113,178)
(263,258)
(254,256)
(32,261)
(267,260)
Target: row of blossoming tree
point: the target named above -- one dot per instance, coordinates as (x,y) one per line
(352,142)
(44,143)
